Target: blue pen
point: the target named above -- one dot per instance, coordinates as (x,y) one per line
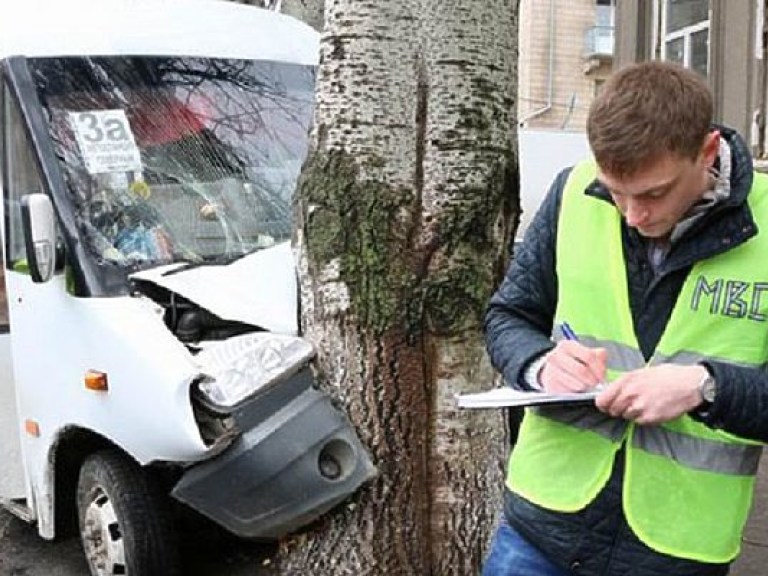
(568,332)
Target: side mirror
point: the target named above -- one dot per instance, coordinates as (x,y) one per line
(39,225)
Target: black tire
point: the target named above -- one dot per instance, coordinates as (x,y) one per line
(124,518)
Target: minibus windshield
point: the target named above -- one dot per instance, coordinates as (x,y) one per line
(171,159)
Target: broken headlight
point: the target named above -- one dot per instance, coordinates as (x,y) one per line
(238,367)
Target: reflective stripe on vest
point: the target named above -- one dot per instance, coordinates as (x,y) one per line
(698,453)
(687,488)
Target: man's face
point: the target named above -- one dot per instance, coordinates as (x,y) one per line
(655,198)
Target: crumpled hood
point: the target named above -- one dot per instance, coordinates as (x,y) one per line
(258,289)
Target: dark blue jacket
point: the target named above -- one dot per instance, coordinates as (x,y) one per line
(597,540)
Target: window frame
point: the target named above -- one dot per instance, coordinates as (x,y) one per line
(685,33)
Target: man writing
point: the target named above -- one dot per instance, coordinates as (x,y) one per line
(655,254)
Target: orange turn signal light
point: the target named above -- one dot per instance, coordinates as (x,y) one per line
(95,380)
(32,427)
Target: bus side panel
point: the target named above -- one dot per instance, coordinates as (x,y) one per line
(57,338)
(12,485)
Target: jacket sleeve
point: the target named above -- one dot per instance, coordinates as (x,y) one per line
(741,404)
(519,318)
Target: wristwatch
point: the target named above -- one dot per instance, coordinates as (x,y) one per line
(707,390)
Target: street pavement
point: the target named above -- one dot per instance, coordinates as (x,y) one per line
(24,553)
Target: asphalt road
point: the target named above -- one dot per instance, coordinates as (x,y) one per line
(24,553)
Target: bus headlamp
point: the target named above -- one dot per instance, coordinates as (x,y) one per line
(238,367)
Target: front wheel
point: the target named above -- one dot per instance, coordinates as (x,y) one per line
(125,524)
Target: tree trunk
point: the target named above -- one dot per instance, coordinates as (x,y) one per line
(404,216)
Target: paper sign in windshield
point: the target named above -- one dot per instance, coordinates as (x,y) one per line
(105,140)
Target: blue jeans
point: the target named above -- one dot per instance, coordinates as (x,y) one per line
(510,555)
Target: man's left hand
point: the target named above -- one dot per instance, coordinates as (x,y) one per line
(653,395)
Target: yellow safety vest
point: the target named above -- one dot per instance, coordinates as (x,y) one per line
(687,488)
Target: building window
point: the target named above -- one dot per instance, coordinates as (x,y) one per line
(598,40)
(605,12)
(685,25)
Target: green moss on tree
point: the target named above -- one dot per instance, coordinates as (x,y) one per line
(370,228)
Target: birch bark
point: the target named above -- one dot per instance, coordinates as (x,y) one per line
(405,213)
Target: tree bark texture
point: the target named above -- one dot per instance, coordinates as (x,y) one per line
(405,212)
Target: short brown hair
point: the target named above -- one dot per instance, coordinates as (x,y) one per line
(646,110)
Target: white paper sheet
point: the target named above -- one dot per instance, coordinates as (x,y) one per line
(504,397)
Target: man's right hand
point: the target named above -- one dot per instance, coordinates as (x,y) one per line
(573,367)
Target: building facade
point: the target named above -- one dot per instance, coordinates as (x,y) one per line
(566,53)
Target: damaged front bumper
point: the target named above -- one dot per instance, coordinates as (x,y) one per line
(297,457)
